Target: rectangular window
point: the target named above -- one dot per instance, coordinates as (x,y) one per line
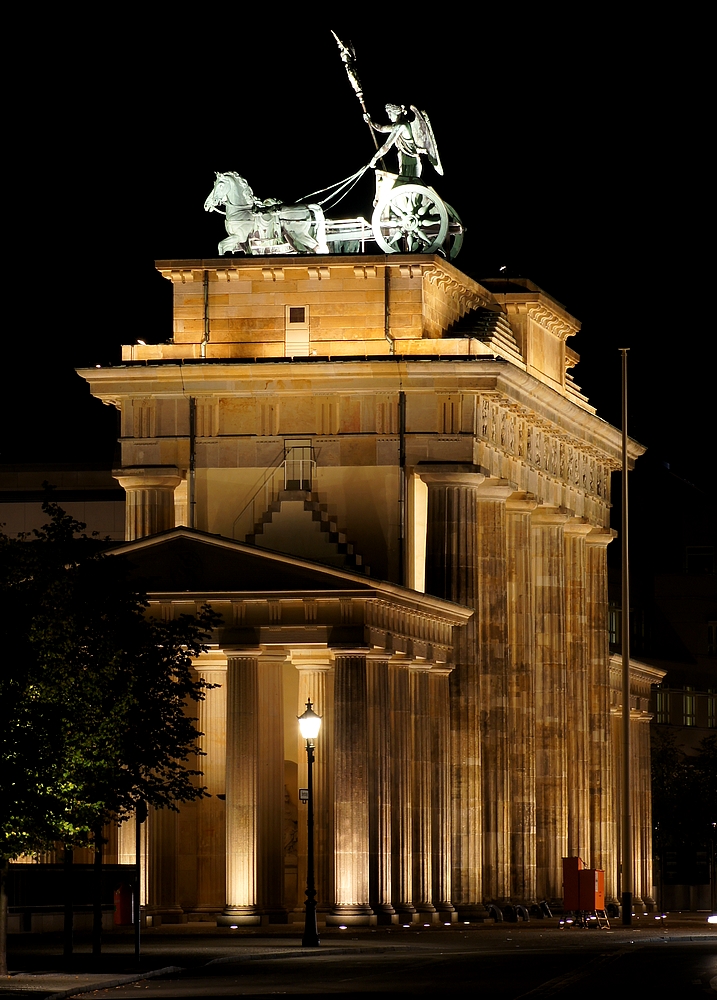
(298,465)
(661,706)
(712,638)
(296,332)
(712,708)
(699,559)
(688,708)
(614,621)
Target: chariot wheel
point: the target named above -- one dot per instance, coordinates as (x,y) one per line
(410,218)
(454,237)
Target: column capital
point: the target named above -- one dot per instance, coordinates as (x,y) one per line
(451,474)
(311,659)
(601,536)
(549,516)
(148,477)
(578,526)
(521,503)
(495,489)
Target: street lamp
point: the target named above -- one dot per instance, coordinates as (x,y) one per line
(309,724)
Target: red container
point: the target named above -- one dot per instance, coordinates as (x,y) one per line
(591,882)
(572,867)
(123,905)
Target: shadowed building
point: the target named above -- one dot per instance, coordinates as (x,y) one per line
(321,424)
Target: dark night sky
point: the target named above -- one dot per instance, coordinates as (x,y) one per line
(575,152)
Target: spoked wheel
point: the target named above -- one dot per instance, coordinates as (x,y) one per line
(454,236)
(410,219)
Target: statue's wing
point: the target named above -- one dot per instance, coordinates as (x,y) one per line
(424,138)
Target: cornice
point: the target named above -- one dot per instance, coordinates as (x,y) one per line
(451,281)
(517,387)
(551,320)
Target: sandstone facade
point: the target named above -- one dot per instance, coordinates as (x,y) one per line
(390,419)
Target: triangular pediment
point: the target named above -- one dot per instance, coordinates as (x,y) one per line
(184,559)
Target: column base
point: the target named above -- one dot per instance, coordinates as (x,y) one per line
(241,916)
(351,916)
(274,917)
(165,916)
(385,914)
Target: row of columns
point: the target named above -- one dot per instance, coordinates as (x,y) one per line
(531,767)
(381,786)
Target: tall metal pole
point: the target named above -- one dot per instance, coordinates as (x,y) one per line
(139,817)
(627,872)
(311,930)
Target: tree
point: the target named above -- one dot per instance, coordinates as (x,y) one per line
(684,795)
(93,695)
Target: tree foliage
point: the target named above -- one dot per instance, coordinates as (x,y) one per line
(94,692)
(684,792)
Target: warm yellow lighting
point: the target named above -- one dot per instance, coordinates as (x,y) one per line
(309,723)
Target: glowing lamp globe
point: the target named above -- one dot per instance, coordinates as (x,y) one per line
(309,723)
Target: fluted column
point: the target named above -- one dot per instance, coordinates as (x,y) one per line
(401,788)
(577,697)
(316,682)
(241,778)
(550,684)
(162,866)
(379,758)
(270,790)
(603,834)
(211,812)
(149,505)
(126,852)
(422,791)
(351,839)
(521,642)
(441,794)
(451,572)
(492,625)
(643,867)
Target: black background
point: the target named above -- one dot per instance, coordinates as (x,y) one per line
(575,148)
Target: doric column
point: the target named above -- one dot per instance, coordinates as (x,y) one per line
(351,840)
(379,757)
(451,572)
(241,778)
(126,852)
(550,686)
(422,791)
(492,626)
(638,811)
(316,682)
(441,794)
(521,642)
(270,790)
(211,812)
(603,837)
(162,874)
(577,698)
(641,730)
(401,789)
(149,506)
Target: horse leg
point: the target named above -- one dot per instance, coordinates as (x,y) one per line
(320,223)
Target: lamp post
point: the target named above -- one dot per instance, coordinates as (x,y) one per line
(309,724)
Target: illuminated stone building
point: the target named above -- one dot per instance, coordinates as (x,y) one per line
(383,475)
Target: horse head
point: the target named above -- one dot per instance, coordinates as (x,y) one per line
(229,189)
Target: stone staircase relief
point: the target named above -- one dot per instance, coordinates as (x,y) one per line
(285,514)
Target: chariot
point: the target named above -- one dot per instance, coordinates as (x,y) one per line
(408,217)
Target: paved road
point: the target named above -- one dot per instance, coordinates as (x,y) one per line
(502,965)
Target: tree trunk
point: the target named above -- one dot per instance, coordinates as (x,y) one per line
(97,896)
(4,869)
(68,921)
